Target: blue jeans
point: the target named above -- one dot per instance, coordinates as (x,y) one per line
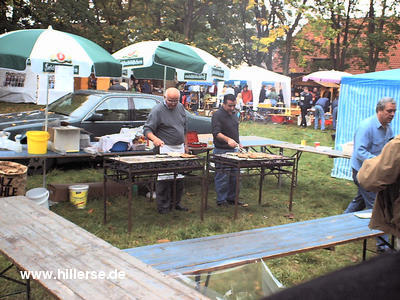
(362,200)
(334,118)
(225,179)
(319,114)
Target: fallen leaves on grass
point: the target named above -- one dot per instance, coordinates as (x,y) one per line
(289,216)
(163,241)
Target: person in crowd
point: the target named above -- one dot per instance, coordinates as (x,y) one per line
(237,90)
(263,94)
(224,88)
(247,95)
(194,101)
(320,108)
(229,90)
(273,96)
(125,84)
(146,87)
(369,139)
(213,90)
(315,95)
(116,86)
(239,102)
(166,128)
(136,86)
(225,129)
(381,174)
(335,104)
(305,104)
(92,81)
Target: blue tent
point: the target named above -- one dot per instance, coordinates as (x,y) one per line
(357,101)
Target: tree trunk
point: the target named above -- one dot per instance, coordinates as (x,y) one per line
(188,18)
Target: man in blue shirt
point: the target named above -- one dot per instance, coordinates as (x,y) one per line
(320,106)
(369,140)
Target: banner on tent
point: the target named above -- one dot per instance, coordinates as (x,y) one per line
(132,62)
(51,67)
(216,72)
(195,76)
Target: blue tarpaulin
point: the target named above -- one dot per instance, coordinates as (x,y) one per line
(359,95)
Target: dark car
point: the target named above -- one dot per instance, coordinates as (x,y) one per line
(98,112)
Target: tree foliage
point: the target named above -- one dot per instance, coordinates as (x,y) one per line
(348,35)
(236,31)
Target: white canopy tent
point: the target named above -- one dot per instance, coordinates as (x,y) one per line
(29,87)
(255,76)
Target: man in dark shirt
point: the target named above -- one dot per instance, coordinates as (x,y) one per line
(225,128)
(305,103)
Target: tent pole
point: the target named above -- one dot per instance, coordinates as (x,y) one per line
(45,125)
(165,76)
(47,103)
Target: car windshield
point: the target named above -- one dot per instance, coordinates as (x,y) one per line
(70,103)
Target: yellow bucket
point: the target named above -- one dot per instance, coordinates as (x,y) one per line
(78,195)
(37,142)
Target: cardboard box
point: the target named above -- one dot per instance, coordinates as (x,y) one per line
(65,138)
(60,192)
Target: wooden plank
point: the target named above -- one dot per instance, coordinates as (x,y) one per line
(36,239)
(310,149)
(222,251)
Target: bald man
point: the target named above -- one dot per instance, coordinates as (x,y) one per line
(166,128)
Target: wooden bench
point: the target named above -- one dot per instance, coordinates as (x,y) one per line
(36,239)
(195,256)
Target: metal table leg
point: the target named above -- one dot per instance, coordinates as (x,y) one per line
(261,186)
(104,194)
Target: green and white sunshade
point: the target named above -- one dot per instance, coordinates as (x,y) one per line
(187,61)
(43,49)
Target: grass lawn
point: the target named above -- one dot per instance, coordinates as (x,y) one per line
(316,195)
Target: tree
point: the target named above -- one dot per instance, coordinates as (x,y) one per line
(338,29)
(14,15)
(382,33)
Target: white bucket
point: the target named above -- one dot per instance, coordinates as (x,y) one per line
(78,195)
(39,195)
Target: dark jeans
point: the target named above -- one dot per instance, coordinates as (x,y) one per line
(304,111)
(164,193)
(225,179)
(364,199)
(334,118)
